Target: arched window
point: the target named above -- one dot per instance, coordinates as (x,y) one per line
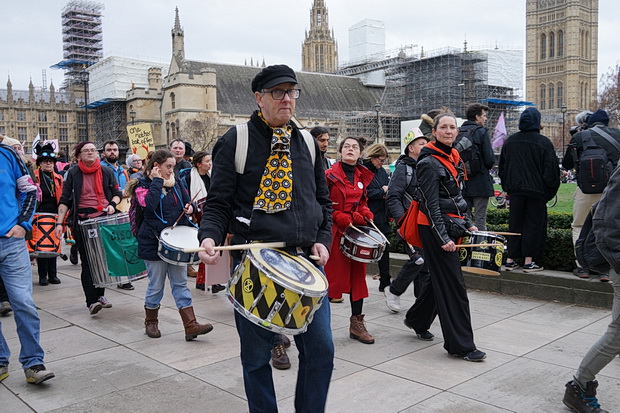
(551,44)
(542,97)
(551,96)
(560,43)
(543,46)
(560,94)
(173,103)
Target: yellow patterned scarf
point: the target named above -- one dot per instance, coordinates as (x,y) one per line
(276,186)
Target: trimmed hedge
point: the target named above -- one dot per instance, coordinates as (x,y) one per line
(559,253)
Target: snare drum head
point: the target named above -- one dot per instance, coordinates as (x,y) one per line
(363,239)
(180,237)
(292,270)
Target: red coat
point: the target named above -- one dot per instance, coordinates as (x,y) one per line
(344,274)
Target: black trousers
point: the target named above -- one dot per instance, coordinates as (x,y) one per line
(528,216)
(46,267)
(91,292)
(446,294)
(410,272)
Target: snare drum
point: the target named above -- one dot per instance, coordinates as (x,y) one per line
(277,291)
(172,243)
(112,250)
(44,243)
(482,260)
(366,247)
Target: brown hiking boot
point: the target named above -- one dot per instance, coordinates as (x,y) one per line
(357,330)
(191,272)
(279,358)
(151,322)
(192,328)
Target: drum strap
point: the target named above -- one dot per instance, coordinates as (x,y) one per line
(241,152)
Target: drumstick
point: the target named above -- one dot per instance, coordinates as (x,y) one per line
(239,246)
(503,233)
(476,245)
(365,233)
(375,227)
(183,213)
(314,257)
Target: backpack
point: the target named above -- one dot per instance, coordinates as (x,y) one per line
(136,215)
(468,150)
(586,251)
(594,167)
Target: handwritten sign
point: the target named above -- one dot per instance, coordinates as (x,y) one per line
(141,139)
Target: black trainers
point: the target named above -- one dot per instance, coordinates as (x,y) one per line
(216,288)
(533,267)
(511,266)
(37,374)
(426,336)
(474,355)
(582,400)
(73,254)
(126,286)
(581,272)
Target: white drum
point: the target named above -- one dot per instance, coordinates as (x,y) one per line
(172,243)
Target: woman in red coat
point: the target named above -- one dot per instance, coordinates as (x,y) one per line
(348,181)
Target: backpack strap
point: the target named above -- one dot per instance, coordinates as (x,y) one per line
(241,151)
(607,137)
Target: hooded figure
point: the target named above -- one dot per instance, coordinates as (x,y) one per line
(530,174)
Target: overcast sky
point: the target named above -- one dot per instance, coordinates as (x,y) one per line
(233,31)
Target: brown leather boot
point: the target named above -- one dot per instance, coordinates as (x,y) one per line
(151,322)
(357,330)
(192,328)
(191,272)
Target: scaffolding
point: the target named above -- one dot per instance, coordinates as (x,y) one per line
(82,38)
(110,123)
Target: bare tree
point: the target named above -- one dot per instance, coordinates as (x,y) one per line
(609,98)
(201,131)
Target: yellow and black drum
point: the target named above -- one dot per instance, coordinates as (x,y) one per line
(277,291)
(482,260)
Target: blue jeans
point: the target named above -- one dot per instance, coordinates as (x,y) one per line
(608,346)
(177,274)
(17,278)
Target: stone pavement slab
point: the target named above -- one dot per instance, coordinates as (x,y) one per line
(105,363)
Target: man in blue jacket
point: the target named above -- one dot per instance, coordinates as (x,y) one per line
(18,200)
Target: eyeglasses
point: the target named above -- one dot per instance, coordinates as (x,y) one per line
(48,155)
(278,94)
(383,161)
(88,151)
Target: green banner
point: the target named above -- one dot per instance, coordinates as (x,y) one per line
(121,250)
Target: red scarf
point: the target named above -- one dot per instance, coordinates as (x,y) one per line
(449,161)
(96,169)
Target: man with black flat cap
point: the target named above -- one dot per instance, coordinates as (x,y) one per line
(300,216)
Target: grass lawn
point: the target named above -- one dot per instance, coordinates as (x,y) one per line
(565,198)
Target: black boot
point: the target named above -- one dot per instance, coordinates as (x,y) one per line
(73,255)
(582,400)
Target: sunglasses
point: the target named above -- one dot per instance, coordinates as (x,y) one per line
(48,155)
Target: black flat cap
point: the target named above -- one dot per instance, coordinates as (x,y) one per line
(272,76)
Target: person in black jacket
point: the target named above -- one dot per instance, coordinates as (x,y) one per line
(530,174)
(89,191)
(443,220)
(401,191)
(376,156)
(237,204)
(479,184)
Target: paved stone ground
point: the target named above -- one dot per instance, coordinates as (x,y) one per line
(105,363)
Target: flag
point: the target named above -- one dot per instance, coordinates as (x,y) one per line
(35,142)
(499,135)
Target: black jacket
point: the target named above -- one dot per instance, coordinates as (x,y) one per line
(480,184)
(528,165)
(440,193)
(376,197)
(159,213)
(606,222)
(575,147)
(72,188)
(229,203)
(400,193)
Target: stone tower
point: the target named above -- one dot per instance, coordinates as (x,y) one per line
(319,52)
(561,60)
